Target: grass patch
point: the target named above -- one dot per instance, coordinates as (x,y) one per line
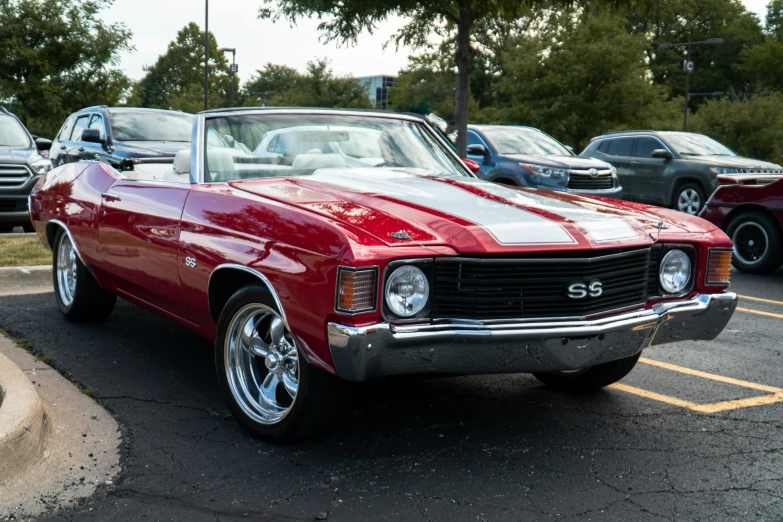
(3,331)
(89,392)
(43,358)
(23,251)
(24,345)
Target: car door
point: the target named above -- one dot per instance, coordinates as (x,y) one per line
(57,154)
(73,148)
(619,152)
(95,151)
(649,176)
(139,231)
(485,162)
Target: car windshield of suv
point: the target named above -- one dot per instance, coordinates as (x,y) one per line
(151,126)
(246,146)
(697,145)
(524,141)
(12,134)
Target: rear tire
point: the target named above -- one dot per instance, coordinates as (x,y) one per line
(6,228)
(758,243)
(690,199)
(267,383)
(589,379)
(79,296)
(28,228)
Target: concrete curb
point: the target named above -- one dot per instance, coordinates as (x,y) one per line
(21,280)
(17,234)
(23,424)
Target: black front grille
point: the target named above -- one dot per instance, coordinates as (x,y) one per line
(578,180)
(11,205)
(496,289)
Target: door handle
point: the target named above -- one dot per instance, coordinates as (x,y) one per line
(63,147)
(636,163)
(80,149)
(110,197)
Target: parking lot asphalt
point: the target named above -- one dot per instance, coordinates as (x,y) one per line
(695,432)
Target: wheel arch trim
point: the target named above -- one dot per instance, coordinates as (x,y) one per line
(50,226)
(265,280)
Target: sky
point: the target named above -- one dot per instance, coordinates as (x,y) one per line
(234,23)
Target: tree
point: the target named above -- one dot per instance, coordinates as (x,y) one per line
(344,21)
(752,127)
(279,85)
(57,57)
(592,79)
(176,80)
(774,21)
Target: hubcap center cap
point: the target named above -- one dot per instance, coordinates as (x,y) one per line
(273,361)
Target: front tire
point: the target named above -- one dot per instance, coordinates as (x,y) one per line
(269,386)
(758,243)
(589,379)
(79,296)
(690,199)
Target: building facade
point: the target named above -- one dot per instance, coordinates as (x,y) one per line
(378,89)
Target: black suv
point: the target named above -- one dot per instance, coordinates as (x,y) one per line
(117,136)
(675,169)
(21,163)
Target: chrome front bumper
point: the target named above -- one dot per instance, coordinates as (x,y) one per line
(362,353)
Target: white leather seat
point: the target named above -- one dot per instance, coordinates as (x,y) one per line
(181,171)
(318,161)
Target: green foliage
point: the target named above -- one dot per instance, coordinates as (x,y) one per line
(591,80)
(57,57)
(752,127)
(774,21)
(282,86)
(176,80)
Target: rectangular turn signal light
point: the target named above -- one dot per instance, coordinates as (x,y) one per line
(356,290)
(718,267)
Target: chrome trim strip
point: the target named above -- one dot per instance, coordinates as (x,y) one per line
(529,320)
(197,160)
(259,275)
(463,259)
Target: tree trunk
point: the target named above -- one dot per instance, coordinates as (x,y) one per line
(464,61)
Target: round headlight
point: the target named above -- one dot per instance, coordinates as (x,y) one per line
(407,291)
(675,271)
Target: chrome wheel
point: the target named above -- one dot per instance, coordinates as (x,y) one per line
(750,242)
(261,363)
(689,202)
(66,270)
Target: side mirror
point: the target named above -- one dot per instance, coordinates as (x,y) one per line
(472,165)
(661,153)
(93,136)
(570,149)
(477,150)
(43,144)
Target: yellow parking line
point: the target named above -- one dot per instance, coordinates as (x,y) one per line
(711,376)
(654,396)
(760,300)
(740,403)
(759,312)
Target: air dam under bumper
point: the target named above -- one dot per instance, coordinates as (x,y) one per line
(367,352)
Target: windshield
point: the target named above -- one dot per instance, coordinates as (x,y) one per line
(697,145)
(281,145)
(151,126)
(524,141)
(12,134)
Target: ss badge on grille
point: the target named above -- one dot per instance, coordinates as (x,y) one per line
(582,290)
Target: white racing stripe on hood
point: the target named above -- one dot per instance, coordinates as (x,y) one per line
(509,225)
(601,226)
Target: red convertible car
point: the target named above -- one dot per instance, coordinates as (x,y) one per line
(355,245)
(749,208)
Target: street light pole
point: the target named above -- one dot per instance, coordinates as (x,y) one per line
(234,68)
(206,55)
(688,69)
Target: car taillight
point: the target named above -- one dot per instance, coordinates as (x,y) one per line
(718,267)
(356,290)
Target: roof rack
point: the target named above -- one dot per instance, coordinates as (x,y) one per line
(628,132)
(95,107)
(5,111)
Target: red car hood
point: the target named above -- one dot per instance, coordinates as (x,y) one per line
(470,215)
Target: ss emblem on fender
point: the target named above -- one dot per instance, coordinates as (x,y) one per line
(190,262)
(582,290)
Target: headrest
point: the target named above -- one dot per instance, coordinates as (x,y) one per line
(318,161)
(182,161)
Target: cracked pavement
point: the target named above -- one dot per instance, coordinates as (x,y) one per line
(448,449)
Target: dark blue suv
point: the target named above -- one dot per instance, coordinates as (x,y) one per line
(527,157)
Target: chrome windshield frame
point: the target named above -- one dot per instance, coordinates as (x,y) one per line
(198,143)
